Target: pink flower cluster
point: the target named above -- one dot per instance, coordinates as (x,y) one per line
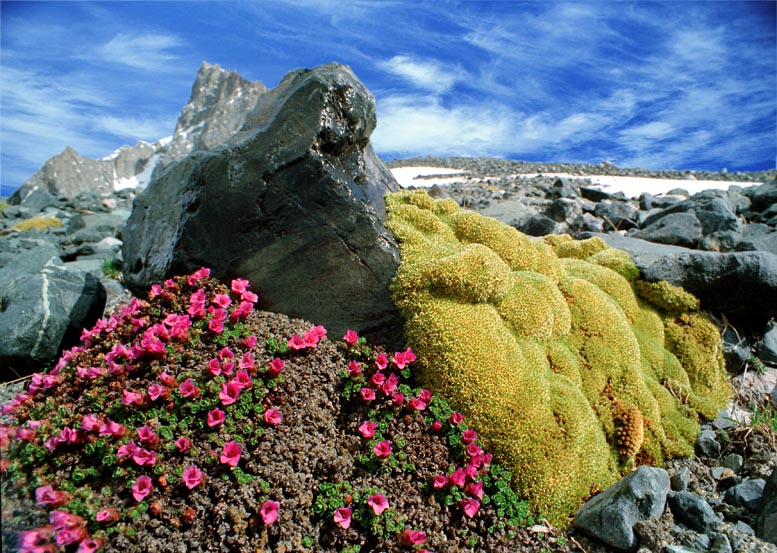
(46,495)
(66,529)
(141,456)
(223,364)
(467,477)
(66,436)
(179,326)
(308,340)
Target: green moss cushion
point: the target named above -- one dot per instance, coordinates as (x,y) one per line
(570,376)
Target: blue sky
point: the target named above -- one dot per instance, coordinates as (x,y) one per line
(676,85)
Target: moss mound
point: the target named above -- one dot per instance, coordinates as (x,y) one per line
(570,367)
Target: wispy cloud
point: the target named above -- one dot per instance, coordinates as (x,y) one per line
(147,52)
(425,74)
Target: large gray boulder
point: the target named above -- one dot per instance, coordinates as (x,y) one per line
(43,308)
(677,229)
(294,204)
(743,285)
(611,515)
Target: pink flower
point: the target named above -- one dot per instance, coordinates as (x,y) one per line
(416,404)
(398,399)
(242,379)
(214,367)
(188,389)
(470,506)
(456,418)
(239,285)
(167,380)
(216,326)
(350,337)
(249,297)
(247,361)
(378,502)
(436,426)
(62,520)
(297,343)
(469,436)
(440,481)
(196,310)
(381,361)
(425,396)
(197,276)
(183,444)
(475,489)
(343,517)
(390,384)
(142,487)
(412,537)
(46,495)
(66,536)
(367,429)
(131,398)
(222,300)
(69,435)
(473,449)
(319,331)
(146,436)
(36,541)
(90,422)
(144,457)
(272,417)
(156,391)
(126,450)
(89,545)
(471,471)
(230,454)
(401,359)
(458,477)
(276,366)
(354,369)
(383,449)
(192,477)
(377,379)
(230,392)
(368,394)
(249,342)
(216,417)
(311,339)
(107,515)
(111,428)
(269,512)
(26,434)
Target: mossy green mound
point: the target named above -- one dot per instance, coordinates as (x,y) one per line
(572,369)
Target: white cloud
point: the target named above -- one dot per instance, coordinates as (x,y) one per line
(147,52)
(428,75)
(133,128)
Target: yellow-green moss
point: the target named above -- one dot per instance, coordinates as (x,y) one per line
(566,374)
(40,223)
(668,297)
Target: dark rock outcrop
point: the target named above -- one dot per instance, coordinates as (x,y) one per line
(743,285)
(611,515)
(766,523)
(294,204)
(43,308)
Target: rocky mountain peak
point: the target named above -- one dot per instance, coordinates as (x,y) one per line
(216,110)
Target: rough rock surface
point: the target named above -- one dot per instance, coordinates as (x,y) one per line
(611,515)
(43,307)
(294,205)
(741,284)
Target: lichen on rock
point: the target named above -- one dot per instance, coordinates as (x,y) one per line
(568,374)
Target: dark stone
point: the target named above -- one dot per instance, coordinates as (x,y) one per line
(538,225)
(767,346)
(743,285)
(42,311)
(611,515)
(763,196)
(766,522)
(563,188)
(691,510)
(616,215)
(594,194)
(746,494)
(294,204)
(736,350)
(721,544)
(680,479)
(564,209)
(34,198)
(677,229)
(707,445)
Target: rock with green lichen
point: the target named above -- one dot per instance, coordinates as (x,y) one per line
(572,370)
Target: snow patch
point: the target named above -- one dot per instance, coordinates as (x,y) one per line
(141,179)
(632,187)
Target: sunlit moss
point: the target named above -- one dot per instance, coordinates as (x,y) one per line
(567,374)
(39,223)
